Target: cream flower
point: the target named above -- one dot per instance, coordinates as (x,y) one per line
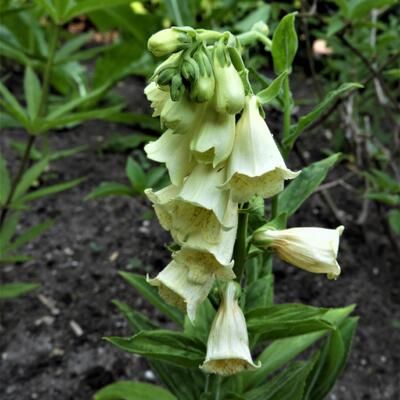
(198,208)
(157,97)
(187,280)
(228,345)
(255,166)
(213,141)
(312,249)
(183,115)
(173,150)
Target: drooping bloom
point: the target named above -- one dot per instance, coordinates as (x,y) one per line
(157,97)
(174,151)
(312,249)
(187,280)
(213,141)
(228,345)
(255,166)
(198,207)
(229,89)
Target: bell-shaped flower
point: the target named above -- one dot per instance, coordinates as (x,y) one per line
(213,141)
(312,249)
(174,151)
(187,280)
(167,41)
(255,166)
(198,207)
(228,345)
(229,89)
(182,116)
(157,97)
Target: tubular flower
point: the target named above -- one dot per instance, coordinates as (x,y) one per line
(213,141)
(198,207)
(174,151)
(229,89)
(167,41)
(182,116)
(255,166)
(157,97)
(186,281)
(312,249)
(228,345)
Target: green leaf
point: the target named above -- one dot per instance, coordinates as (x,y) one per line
(109,189)
(180,12)
(87,6)
(121,143)
(49,190)
(150,293)
(11,290)
(280,351)
(306,120)
(155,176)
(30,234)
(32,91)
(385,198)
(289,384)
(4,180)
(260,13)
(129,390)
(394,220)
(136,175)
(142,120)
(285,320)
(71,46)
(50,9)
(7,229)
(174,347)
(260,293)
(136,320)
(269,93)
(302,187)
(12,105)
(9,259)
(332,360)
(363,7)
(29,177)
(284,44)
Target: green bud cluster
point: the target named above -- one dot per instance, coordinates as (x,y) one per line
(194,67)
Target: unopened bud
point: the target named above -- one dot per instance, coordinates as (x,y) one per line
(167,41)
(177,88)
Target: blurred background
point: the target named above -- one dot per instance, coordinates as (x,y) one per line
(74,120)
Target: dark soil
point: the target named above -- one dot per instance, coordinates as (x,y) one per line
(56,351)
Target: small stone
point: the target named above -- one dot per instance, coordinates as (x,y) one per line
(383,359)
(68,251)
(375,271)
(114,256)
(45,320)
(76,328)
(149,375)
(363,361)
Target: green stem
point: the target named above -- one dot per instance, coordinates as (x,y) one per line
(240,250)
(253,37)
(218,387)
(287,113)
(205,35)
(42,109)
(274,207)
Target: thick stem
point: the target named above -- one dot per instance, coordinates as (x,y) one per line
(218,388)
(253,37)
(240,250)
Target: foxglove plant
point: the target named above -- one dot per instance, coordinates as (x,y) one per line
(223,162)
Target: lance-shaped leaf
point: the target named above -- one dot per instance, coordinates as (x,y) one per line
(11,290)
(174,347)
(285,320)
(268,94)
(301,188)
(32,91)
(5,180)
(280,351)
(309,118)
(284,44)
(130,390)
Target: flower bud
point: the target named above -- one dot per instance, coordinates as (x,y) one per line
(203,87)
(229,89)
(177,88)
(255,166)
(186,281)
(312,249)
(167,41)
(228,345)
